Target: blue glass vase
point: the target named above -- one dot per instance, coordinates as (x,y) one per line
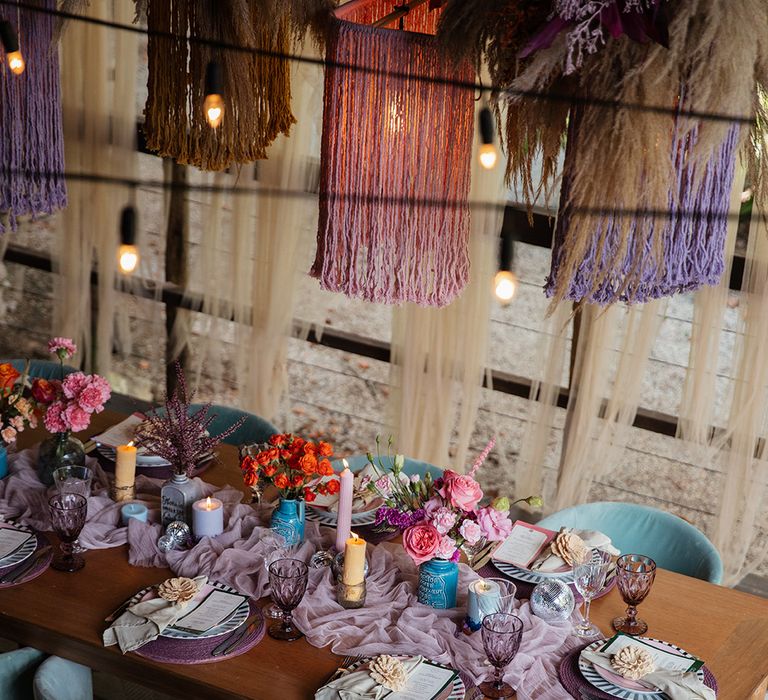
(3,461)
(288,521)
(438,581)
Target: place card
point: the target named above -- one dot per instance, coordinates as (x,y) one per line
(122,433)
(664,658)
(427,682)
(524,544)
(214,609)
(11,540)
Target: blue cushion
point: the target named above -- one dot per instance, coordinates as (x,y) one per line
(43,369)
(411,466)
(17,670)
(59,679)
(670,541)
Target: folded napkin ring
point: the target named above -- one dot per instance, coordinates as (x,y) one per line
(123,493)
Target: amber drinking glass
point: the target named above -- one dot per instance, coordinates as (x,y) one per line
(634,577)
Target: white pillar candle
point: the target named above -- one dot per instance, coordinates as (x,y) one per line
(207,517)
(125,469)
(483,598)
(344,514)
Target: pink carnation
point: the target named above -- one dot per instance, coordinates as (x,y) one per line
(73,384)
(471,532)
(63,347)
(76,418)
(461,491)
(495,524)
(446,548)
(443,519)
(54,419)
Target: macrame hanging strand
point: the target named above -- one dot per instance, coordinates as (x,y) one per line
(31,138)
(394,151)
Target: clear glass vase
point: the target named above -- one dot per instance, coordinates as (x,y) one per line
(59,450)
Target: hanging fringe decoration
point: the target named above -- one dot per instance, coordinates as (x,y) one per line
(394,218)
(31,141)
(257,86)
(421,19)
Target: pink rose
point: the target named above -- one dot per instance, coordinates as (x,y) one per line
(461,491)
(64,348)
(471,532)
(495,524)
(76,417)
(54,420)
(18,423)
(73,384)
(421,542)
(446,548)
(443,520)
(432,506)
(8,434)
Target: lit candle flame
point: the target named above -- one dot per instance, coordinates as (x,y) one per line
(208,504)
(130,444)
(345,463)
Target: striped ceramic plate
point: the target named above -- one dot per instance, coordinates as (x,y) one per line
(329,519)
(456,691)
(529,576)
(22,552)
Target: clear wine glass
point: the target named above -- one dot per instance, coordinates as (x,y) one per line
(74,479)
(501,634)
(635,574)
(589,577)
(68,511)
(288,580)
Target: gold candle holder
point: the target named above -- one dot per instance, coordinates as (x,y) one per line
(350,596)
(123,493)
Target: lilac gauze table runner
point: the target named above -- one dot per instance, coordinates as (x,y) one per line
(392,621)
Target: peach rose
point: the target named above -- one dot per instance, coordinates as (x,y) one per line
(421,542)
(461,491)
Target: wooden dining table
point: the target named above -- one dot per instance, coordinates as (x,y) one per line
(63,614)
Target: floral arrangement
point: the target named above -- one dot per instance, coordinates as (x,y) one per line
(178,435)
(17,409)
(72,400)
(293,465)
(440,518)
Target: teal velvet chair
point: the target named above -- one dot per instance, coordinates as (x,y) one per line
(670,541)
(59,679)
(411,466)
(42,369)
(17,672)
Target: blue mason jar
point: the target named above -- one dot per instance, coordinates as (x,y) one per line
(288,520)
(438,581)
(3,461)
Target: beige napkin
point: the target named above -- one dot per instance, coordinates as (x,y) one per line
(358,685)
(592,538)
(676,684)
(361,499)
(143,622)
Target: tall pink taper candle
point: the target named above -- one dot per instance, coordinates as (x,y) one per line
(344,522)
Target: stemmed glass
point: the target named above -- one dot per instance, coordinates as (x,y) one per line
(288,582)
(635,574)
(589,578)
(74,479)
(271,610)
(68,511)
(502,634)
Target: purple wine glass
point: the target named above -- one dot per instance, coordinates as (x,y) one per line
(68,512)
(502,634)
(635,574)
(288,582)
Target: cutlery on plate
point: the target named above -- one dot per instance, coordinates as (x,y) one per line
(343,667)
(119,611)
(21,569)
(233,638)
(485,555)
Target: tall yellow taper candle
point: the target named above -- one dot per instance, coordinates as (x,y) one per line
(354,561)
(125,469)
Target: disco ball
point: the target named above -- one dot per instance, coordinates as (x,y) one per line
(552,601)
(177,536)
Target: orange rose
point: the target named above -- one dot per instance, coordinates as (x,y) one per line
(324,449)
(250,478)
(8,375)
(262,458)
(308,464)
(297,444)
(325,468)
(310,448)
(281,481)
(309,496)
(297,481)
(273,454)
(334,486)
(248,464)
(277,440)
(285,454)
(270,470)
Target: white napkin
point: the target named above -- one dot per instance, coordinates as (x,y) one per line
(143,622)
(358,685)
(676,684)
(594,539)
(361,499)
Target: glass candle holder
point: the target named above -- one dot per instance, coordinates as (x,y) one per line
(350,596)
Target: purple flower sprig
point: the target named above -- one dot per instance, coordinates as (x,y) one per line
(401,520)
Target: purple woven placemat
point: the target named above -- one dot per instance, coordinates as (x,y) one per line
(575,683)
(198,651)
(524,589)
(36,570)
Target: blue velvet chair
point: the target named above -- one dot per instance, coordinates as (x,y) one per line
(17,672)
(411,466)
(59,679)
(43,369)
(670,541)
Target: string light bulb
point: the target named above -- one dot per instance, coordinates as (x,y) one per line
(487,153)
(128,253)
(213,105)
(10,41)
(505,281)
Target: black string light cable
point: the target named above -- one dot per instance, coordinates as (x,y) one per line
(213,105)
(487,153)
(505,281)
(128,253)
(467,85)
(10,41)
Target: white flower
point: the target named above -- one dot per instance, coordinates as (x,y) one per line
(178,590)
(389,672)
(569,547)
(633,662)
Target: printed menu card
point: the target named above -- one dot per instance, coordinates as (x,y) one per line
(427,682)
(524,544)
(214,609)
